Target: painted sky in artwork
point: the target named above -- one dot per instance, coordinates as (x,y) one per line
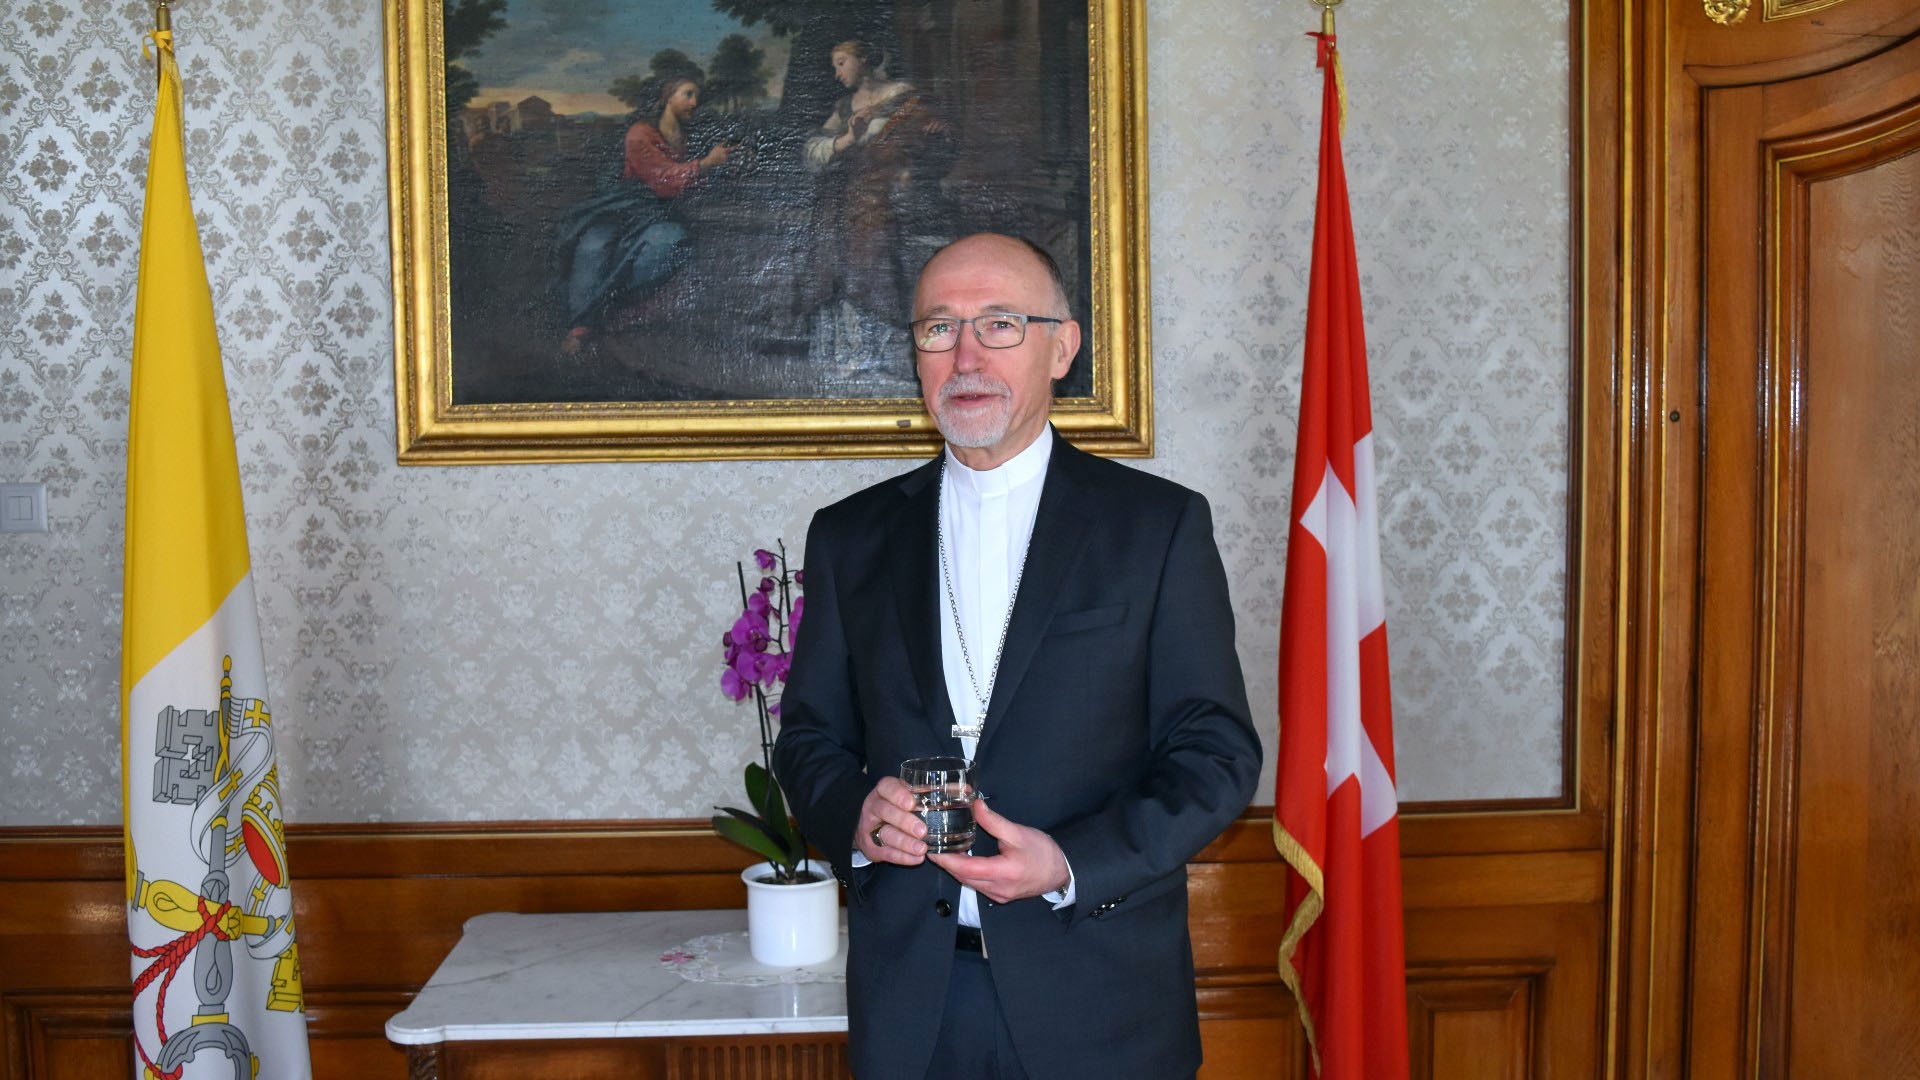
(568,51)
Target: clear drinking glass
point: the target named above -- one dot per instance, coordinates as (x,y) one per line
(943,798)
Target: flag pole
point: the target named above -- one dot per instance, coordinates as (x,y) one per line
(208,888)
(1342,951)
(1330,54)
(1326,14)
(162,24)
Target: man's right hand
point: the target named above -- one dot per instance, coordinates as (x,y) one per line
(888,830)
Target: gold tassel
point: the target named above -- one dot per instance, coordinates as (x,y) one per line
(1339,82)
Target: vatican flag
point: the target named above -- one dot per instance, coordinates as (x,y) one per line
(216,977)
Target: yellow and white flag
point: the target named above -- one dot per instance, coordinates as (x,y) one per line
(216,977)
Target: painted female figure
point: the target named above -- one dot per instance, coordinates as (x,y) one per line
(878,157)
(618,246)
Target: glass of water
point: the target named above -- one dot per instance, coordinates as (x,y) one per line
(943,797)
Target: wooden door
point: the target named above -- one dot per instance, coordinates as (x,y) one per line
(1778,826)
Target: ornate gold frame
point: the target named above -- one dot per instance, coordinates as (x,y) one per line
(1116,419)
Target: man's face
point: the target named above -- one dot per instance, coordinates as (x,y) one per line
(992,403)
(684,100)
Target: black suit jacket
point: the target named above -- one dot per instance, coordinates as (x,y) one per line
(1119,725)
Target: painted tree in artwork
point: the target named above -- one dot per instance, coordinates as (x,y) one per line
(467,24)
(643,91)
(738,76)
(634,91)
(674,64)
(815,27)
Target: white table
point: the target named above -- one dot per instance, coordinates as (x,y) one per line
(580,995)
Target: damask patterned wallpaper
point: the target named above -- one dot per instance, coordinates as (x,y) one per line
(541,642)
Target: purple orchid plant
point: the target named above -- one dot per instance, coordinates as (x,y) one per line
(758,652)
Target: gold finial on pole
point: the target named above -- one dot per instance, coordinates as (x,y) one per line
(162,37)
(1326,14)
(1329,54)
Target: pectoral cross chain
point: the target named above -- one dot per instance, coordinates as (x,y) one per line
(981,698)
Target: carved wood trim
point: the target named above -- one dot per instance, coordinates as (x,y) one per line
(678,847)
(1487,1022)
(1726,12)
(36,1020)
(774,1057)
(1771,10)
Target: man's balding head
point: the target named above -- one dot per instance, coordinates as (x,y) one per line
(1060,308)
(992,403)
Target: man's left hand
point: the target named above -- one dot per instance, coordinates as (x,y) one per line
(1029,863)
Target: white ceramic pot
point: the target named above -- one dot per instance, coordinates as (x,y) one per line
(792,925)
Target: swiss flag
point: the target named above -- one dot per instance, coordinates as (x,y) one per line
(1336,820)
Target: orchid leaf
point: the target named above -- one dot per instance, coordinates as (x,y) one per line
(748,834)
(758,822)
(764,792)
(758,781)
(782,824)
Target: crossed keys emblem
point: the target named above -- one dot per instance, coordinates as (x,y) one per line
(220,762)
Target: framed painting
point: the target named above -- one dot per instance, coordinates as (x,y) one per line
(689,229)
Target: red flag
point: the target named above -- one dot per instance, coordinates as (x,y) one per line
(1336,820)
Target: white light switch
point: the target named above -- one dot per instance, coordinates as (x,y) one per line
(23,508)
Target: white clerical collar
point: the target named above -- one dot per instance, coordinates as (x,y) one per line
(1022,467)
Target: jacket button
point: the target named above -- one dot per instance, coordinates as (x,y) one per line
(942,908)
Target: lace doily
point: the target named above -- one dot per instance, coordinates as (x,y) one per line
(726,958)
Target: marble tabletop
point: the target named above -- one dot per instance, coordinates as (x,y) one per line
(602,975)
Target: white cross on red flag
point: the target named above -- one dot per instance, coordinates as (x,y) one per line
(1336,816)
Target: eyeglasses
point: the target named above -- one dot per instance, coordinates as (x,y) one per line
(997,330)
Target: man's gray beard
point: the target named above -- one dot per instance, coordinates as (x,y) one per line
(976,432)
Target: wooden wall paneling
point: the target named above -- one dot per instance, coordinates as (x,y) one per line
(1247,1019)
(1533,924)
(1832,856)
(1646,523)
(346,1030)
(1731,773)
(1272,1048)
(58,1032)
(392,901)
(1530,974)
(793,1058)
(588,1059)
(1659,428)
(63,954)
(1469,1029)
(1709,999)
(380,905)
(1841,992)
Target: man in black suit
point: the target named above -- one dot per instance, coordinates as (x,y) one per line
(1062,621)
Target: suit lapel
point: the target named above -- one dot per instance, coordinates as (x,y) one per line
(916,576)
(1059,536)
